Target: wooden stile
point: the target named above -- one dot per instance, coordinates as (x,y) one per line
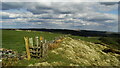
(38,49)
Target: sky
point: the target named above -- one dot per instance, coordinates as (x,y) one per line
(99,16)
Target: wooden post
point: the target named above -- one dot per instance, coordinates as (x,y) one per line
(40,49)
(27,48)
(37,41)
(46,48)
(37,44)
(31,42)
(41,46)
(41,38)
(43,49)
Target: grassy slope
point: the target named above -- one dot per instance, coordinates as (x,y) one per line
(73,52)
(14,40)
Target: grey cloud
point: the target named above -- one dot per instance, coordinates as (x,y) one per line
(57,7)
(38,8)
(11,5)
(108,3)
(34,7)
(99,20)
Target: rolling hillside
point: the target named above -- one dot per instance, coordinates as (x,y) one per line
(73,51)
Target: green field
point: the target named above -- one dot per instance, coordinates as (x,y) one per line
(12,39)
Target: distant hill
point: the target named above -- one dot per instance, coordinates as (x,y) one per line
(86,33)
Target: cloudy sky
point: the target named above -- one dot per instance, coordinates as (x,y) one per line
(101,16)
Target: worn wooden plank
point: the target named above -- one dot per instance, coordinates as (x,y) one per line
(27,48)
(46,48)
(31,42)
(43,52)
(40,45)
(41,38)
(37,44)
(37,40)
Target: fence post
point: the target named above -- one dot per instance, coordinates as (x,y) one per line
(43,49)
(31,42)
(41,45)
(37,41)
(27,47)
(37,45)
(46,48)
(41,38)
